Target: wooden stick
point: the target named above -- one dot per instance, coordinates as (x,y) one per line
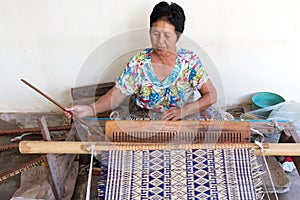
(43,147)
(60,106)
(43,94)
(21,168)
(28,130)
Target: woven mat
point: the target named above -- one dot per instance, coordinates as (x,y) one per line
(180,174)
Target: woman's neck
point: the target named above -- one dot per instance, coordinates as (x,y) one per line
(164,56)
(163,64)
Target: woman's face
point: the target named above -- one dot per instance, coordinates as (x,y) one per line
(163,37)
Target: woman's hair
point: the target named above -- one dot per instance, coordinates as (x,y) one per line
(171,13)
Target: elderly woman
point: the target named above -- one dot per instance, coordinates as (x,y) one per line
(163,78)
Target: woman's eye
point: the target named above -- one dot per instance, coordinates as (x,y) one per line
(156,33)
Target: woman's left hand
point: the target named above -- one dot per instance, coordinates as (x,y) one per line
(172,114)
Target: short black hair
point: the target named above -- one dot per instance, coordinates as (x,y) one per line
(171,13)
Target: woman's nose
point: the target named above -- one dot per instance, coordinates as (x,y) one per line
(161,39)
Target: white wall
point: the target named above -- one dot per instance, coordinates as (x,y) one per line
(254,44)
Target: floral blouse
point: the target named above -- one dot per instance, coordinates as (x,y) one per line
(176,90)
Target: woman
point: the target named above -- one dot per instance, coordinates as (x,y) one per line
(163,78)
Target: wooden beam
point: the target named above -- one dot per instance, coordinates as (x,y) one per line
(54,173)
(291,136)
(158,131)
(75,147)
(58,167)
(29,130)
(91,91)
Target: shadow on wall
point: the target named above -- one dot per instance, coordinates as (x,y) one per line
(246,99)
(113,70)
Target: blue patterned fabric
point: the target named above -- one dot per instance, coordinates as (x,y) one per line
(180,174)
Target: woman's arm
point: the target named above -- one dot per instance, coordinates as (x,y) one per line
(208,97)
(112,99)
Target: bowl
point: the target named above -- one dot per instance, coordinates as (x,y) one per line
(265,99)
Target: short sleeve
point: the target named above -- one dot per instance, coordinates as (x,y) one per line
(131,78)
(198,75)
(127,81)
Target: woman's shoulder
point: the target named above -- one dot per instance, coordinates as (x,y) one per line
(187,54)
(140,59)
(142,55)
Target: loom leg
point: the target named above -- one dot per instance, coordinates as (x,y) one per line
(290,136)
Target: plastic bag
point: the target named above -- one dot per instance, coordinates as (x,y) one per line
(287,111)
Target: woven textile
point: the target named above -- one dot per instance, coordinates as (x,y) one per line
(180,174)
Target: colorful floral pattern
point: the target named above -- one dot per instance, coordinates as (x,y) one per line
(178,88)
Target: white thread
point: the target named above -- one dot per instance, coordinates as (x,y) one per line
(259,144)
(259,133)
(114,115)
(88,189)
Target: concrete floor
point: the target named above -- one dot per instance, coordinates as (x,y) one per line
(9,159)
(293,194)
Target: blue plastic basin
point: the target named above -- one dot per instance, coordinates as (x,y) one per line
(265,99)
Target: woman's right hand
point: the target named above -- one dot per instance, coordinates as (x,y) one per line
(80,110)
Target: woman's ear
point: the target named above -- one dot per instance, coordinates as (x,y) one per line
(178,36)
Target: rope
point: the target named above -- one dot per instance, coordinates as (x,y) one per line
(259,144)
(88,189)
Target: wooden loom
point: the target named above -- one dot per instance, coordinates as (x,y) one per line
(137,135)
(228,134)
(128,133)
(140,135)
